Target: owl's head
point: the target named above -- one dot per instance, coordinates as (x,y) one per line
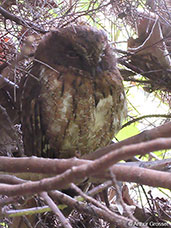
(81,47)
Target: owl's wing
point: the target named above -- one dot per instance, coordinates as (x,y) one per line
(33,134)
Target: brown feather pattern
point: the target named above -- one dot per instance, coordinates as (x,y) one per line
(76,102)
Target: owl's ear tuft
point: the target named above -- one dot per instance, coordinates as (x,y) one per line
(54,32)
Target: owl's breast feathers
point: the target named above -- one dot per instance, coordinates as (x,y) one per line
(71,110)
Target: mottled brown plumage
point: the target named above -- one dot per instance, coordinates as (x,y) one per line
(73,100)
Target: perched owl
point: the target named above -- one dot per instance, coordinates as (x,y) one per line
(73,99)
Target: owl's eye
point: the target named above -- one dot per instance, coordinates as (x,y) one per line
(72,54)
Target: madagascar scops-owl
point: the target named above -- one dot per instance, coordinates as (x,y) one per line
(73,99)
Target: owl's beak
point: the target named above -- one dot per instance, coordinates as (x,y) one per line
(93,71)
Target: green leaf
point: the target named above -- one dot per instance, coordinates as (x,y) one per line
(127,132)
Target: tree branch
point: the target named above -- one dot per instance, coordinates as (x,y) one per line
(96,169)
(7,15)
(146,116)
(157,132)
(56,210)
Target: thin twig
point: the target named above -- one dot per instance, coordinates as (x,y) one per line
(119,195)
(56,210)
(6,82)
(121,221)
(146,116)
(89,198)
(20,21)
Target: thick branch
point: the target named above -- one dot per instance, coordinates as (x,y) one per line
(161,131)
(142,176)
(95,168)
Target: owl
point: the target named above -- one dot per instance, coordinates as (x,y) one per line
(73,99)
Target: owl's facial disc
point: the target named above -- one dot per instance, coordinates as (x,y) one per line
(81,47)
